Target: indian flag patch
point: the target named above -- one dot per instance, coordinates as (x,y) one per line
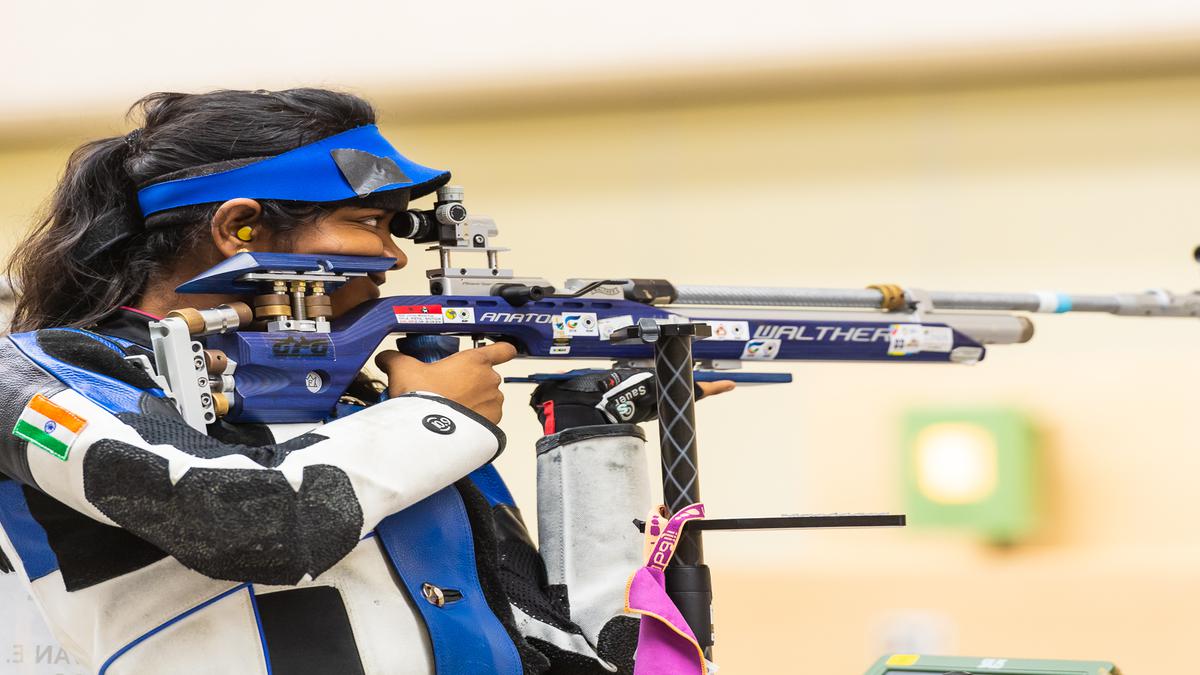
(49,426)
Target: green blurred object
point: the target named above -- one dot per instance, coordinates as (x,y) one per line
(920,664)
(972,469)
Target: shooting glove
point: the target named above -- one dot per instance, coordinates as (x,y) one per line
(622,396)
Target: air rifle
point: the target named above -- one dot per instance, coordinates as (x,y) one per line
(287,360)
(298,361)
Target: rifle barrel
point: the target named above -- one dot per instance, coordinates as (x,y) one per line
(1149,303)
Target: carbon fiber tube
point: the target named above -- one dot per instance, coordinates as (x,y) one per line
(776,297)
(1150,303)
(677,433)
(689,584)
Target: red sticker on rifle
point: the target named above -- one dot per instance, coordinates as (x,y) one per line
(418,313)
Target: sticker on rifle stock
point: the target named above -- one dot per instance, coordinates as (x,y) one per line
(575,324)
(418,313)
(729,330)
(459,314)
(607,325)
(50,427)
(914,338)
(560,350)
(761,350)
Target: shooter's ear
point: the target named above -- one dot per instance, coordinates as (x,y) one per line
(237,226)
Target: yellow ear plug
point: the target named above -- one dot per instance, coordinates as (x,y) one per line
(245,233)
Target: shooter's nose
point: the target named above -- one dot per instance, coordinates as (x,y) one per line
(395,251)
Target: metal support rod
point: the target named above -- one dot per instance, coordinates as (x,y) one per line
(299,312)
(1149,303)
(689,583)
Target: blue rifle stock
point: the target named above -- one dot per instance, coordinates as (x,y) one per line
(297,372)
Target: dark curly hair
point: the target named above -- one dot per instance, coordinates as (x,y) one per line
(93,252)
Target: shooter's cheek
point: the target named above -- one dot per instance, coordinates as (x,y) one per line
(352,294)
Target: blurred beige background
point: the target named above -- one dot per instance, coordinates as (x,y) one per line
(977,155)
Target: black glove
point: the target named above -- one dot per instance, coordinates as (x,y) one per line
(623,396)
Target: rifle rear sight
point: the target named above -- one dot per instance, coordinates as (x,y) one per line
(456,231)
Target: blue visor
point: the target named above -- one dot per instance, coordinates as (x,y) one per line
(351,164)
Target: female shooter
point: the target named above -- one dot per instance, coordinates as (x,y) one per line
(152,547)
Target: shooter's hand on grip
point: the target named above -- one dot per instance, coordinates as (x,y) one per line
(621,396)
(467,378)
